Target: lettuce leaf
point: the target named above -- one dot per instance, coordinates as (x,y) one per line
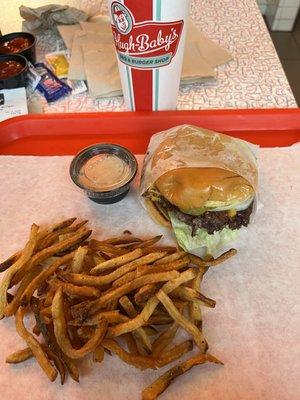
(212,242)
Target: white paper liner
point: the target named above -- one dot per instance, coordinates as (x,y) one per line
(254,328)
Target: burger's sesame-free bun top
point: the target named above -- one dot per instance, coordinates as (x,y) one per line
(193,188)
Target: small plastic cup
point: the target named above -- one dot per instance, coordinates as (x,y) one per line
(104,171)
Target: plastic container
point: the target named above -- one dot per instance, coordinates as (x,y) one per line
(29,52)
(104,172)
(17,80)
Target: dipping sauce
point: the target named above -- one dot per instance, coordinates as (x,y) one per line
(10,68)
(104,172)
(15,45)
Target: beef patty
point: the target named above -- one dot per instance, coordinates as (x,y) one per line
(212,221)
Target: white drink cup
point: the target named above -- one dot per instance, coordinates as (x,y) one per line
(149,37)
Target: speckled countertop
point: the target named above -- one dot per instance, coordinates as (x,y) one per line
(254,79)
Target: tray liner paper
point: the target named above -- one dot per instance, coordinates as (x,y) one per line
(254,328)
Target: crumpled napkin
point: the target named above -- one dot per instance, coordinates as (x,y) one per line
(47,17)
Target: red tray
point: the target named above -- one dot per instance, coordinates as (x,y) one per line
(66,134)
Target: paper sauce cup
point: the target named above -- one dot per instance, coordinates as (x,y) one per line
(149,37)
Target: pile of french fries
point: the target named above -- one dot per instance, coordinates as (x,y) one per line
(124,296)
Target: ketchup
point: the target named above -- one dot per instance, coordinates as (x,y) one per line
(10,68)
(15,45)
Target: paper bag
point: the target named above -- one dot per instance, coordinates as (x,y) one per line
(102,72)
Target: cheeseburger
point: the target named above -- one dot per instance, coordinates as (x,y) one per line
(202,184)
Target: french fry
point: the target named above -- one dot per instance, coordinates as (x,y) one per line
(150,330)
(93,306)
(230,253)
(36,330)
(61,225)
(78,259)
(12,307)
(175,353)
(50,251)
(10,261)
(182,321)
(214,262)
(151,305)
(161,384)
(72,368)
(49,297)
(100,281)
(147,259)
(98,354)
(107,248)
(192,295)
(145,293)
(61,334)
(126,239)
(59,365)
(138,361)
(19,356)
(42,290)
(117,262)
(164,339)
(76,227)
(58,235)
(97,259)
(112,305)
(17,266)
(47,311)
(130,276)
(83,279)
(76,291)
(172,266)
(48,334)
(167,249)
(195,308)
(131,312)
(179,304)
(170,258)
(35,346)
(112,317)
(45,274)
(48,240)
(131,344)
(160,319)
(147,243)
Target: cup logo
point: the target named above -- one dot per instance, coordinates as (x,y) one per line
(144,45)
(122,18)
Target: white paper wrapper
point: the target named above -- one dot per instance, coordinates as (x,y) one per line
(199,148)
(162,156)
